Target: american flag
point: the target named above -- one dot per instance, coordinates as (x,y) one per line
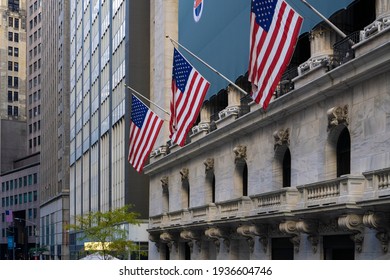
(189,89)
(274,32)
(9,217)
(144,129)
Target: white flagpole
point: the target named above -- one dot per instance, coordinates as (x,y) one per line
(341,33)
(140,95)
(207,65)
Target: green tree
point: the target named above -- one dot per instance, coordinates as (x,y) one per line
(106,231)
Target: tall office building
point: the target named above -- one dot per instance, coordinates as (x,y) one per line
(12,82)
(19,173)
(34,76)
(109,46)
(13,59)
(54,192)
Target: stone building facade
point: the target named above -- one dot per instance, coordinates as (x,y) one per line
(306,179)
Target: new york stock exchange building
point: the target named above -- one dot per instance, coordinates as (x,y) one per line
(306,179)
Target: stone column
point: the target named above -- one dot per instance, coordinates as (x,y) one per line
(164,21)
(382,8)
(322,39)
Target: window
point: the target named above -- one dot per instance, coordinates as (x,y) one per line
(344,153)
(9,110)
(10,22)
(9,81)
(10,36)
(16,111)
(16,82)
(9,96)
(16,37)
(16,66)
(286,169)
(10,65)
(16,23)
(13,5)
(16,96)
(16,52)
(10,51)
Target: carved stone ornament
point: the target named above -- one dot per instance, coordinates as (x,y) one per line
(215,234)
(184,172)
(209,164)
(240,153)
(164,183)
(380,223)
(156,240)
(337,115)
(249,232)
(354,223)
(167,238)
(281,137)
(290,227)
(192,239)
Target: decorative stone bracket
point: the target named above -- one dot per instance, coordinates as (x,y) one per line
(353,223)
(156,240)
(192,239)
(166,237)
(216,234)
(380,223)
(296,227)
(249,232)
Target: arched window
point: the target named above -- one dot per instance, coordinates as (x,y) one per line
(344,153)
(210,187)
(282,167)
(241,179)
(185,194)
(245,180)
(286,165)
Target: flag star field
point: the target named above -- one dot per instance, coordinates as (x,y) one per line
(264,10)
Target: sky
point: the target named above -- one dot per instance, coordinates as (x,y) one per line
(221,36)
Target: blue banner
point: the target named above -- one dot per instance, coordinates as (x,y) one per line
(10,241)
(221,35)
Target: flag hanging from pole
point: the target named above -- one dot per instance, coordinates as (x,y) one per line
(274,32)
(9,217)
(145,126)
(188,89)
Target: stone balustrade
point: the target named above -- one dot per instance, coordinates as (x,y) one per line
(378,184)
(348,189)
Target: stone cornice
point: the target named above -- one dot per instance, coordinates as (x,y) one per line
(331,83)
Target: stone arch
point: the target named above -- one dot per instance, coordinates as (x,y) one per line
(282,166)
(338,152)
(241,178)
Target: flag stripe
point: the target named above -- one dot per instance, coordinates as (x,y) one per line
(274,55)
(272,44)
(192,103)
(188,91)
(281,64)
(144,129)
